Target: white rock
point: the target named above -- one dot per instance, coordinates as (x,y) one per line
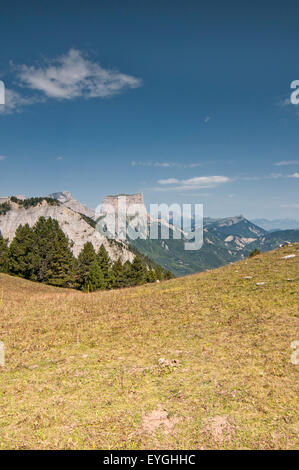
(72,223)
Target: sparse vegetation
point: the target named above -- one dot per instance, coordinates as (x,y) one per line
(200,362)
(34,201)
(255,252)
(4,208)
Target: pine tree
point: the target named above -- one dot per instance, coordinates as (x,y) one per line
(3,255)
(21,253)
(138,272)
(105,265)
(54,261)
(127,274)
(94,279)
(168,275)
(119,274)
(159,273)
(151,276)
(86,258)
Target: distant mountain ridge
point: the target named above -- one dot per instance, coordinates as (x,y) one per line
(277,224)
(225,240)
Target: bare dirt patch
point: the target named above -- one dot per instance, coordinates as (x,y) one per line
(158,418)
(220,429)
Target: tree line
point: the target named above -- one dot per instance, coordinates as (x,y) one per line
(43,253)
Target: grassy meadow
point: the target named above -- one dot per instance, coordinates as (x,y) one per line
(200,362)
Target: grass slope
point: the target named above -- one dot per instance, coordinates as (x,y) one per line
(97,370)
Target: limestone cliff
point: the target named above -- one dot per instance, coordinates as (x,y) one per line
(130,199)
(71,222)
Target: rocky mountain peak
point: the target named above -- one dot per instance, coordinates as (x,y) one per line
(65,198)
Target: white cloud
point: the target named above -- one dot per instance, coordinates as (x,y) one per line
(168,181)
(271,176)
(287,162)
(73,75)
(192,165)
(197,182)
(66,77)
(162,164)
(204,180)
(2,157)
(166,164)
(59,158)
(287,102)
(14,102)
(290,206)
(207,119)
(275,176)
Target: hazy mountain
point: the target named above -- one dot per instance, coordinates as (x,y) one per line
(272,240)
(225,241)
(277,224)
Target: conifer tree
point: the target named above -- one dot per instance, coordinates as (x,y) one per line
(168,275)
(53,259)
(3,255)
(21,253)
(138,272)
(86,258)
(151,276)
(119,274)
(159,273)
(105,265)
(127,273)
(94,279)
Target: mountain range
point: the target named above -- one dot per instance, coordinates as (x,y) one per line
(277,224)
(225,240)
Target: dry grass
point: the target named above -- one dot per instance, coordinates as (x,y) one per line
(84,371)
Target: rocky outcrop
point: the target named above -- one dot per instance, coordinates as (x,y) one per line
(117,200)
(71,222)
(65,198)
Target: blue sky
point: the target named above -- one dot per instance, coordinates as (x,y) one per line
(185,101)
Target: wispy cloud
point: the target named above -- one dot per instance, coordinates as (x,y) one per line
(69,76)
(15,102)
(207,119)
(166,164)
(287,162)
(73,75)
(271,176)
(290,206)
(196,182)
(2,157)
(168,181)
(59,158)
(287,102)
